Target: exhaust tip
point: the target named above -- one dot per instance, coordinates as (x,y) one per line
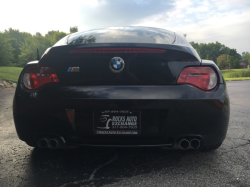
(195,143)
(43,143)
(53,143)
(184,144)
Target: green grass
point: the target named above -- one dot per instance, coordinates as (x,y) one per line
(10,73)
(236,73)
(237,79)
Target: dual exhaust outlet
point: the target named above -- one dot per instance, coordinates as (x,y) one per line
(186,144)
(52,143)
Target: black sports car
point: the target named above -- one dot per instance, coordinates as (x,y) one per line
(125,87)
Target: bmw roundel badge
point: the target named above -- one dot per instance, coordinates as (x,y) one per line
(117,64)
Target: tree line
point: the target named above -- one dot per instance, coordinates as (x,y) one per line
(17,48)
(222,55)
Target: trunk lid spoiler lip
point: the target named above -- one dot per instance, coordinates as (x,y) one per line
(64,49)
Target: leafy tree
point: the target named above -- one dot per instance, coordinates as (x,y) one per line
(213,50)
(233,52)
(28,49)
(73,29)
(54,36)
(227,60)
(16,39)
(22,46)
(233,61)
(222,61)
(6,51)
(246,56)
(15,33)
(15,44)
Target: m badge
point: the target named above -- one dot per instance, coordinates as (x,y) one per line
(74,69)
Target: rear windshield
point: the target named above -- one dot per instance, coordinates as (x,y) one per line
(123,35)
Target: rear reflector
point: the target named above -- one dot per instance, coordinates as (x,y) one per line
(34,77)
(118,50)
(203,77)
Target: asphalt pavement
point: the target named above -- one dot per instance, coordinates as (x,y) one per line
(21,165)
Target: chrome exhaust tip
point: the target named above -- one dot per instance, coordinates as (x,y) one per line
(195,143)
(184,144)
(53,143)
(43,142)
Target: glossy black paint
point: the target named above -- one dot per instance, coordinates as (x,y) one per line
(123,35)
(169,111)
(186,110)
(62,51)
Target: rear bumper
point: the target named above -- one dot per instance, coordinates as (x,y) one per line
(168,113)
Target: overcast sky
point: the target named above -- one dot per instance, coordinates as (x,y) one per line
(225,21)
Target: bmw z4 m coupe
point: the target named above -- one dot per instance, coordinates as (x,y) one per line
(124,87)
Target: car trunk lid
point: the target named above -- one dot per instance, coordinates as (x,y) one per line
(94,64)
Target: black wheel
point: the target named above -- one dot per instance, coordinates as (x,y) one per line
(211,148)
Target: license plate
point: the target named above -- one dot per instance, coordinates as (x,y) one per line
(120,122)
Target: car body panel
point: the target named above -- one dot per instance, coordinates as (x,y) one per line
(185,110)
(167,111)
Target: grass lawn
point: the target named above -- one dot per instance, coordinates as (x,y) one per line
(237,79)
(235,73)
(10,73)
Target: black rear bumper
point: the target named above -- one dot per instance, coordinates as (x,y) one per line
(168,113)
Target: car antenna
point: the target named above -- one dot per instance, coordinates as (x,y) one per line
(37,54)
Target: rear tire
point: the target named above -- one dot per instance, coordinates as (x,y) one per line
(211,148)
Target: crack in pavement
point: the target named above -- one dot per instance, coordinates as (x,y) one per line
(243,138)
(241,145)
(92,176)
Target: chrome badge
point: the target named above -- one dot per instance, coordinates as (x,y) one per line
(117,64)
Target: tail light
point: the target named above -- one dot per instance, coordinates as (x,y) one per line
(118,50)
(34,77)
(203,77)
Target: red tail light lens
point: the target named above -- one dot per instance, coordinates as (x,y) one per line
(34,77)
(118,50)
(203,77)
